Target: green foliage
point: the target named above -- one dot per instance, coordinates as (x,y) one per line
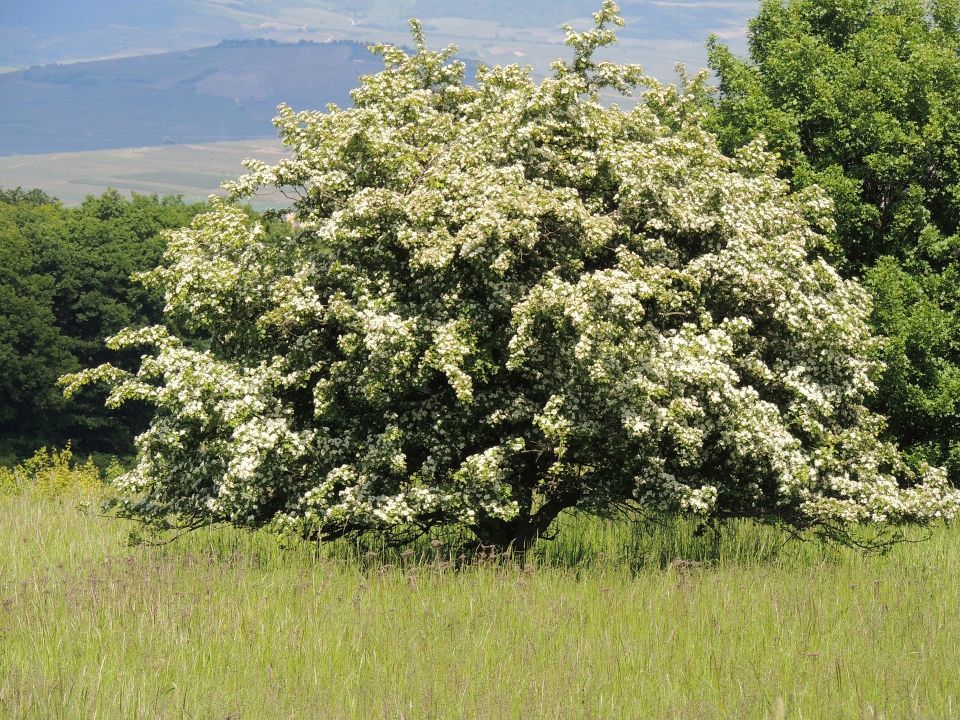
(54,473)
(106,241)
(19,196)
(28,326)
(863,99)
(917,311)
(33,352)
(65,284)
(497,301)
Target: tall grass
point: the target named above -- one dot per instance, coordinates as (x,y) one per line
(610,620)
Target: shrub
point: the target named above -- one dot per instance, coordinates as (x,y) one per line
(502,300)
(54,473)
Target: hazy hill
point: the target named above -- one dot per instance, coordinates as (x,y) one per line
(658,33)
(225,92)
(140,84)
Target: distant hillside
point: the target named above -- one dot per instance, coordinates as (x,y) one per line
(193,171)
(225,92)
(658,34)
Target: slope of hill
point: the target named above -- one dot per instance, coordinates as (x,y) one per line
(225,92)
(658,34)
(193,171)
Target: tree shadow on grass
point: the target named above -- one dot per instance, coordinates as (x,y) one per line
(577,541)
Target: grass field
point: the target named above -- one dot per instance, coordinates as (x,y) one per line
(194,171)
(608,621)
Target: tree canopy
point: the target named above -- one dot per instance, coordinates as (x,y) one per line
(500,300)
(862,97)
(32,351)
(65,285)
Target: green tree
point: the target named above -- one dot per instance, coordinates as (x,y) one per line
(862,97)
(33,353)
(502,300)
(106,240)
(65,285)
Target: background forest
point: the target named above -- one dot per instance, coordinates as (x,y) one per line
(66,284)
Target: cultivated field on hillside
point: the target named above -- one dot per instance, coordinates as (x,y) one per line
(194,171)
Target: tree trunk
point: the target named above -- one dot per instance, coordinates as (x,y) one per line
(519,534)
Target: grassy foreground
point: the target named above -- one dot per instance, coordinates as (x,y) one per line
(598,625)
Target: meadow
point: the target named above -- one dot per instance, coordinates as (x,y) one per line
(609,620)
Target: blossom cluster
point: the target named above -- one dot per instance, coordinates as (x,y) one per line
(498,295)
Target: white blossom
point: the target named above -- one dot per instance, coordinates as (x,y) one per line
(497,295)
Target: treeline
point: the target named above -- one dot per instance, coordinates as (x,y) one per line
(65,285)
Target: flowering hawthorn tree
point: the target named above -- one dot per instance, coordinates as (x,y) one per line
(501,300)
